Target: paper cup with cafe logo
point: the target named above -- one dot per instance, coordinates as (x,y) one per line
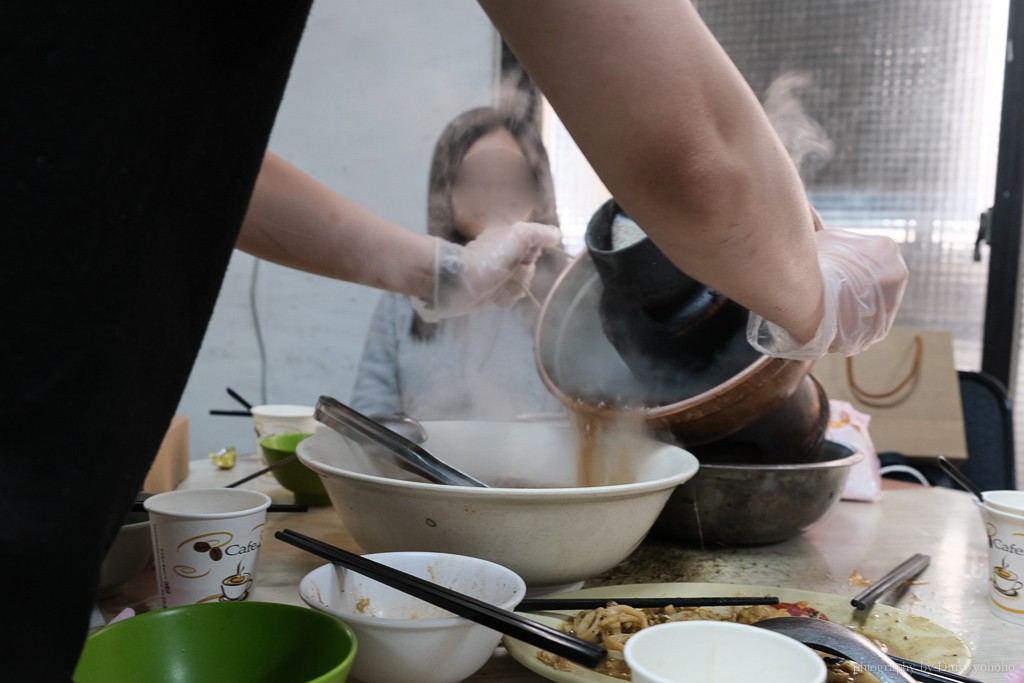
(206,543)
(1005,501)
(1005,562)
(283,418)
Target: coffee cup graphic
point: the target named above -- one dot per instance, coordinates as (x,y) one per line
(1006,580)
(236,586)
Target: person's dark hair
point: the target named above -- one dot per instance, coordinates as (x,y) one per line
(456,139)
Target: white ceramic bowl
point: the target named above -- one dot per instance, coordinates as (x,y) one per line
(127,557)
(129,554)
(555,534)
(402,638)
(719,652)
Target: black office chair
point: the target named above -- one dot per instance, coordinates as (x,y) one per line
(988,426)
(988,423)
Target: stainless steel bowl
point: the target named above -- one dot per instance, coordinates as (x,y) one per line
(755,504)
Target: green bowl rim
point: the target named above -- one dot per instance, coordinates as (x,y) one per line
(169,612)
(304,436)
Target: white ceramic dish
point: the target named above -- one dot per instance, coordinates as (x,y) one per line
(402,638)
(907,635)
(555,534)
(131,551)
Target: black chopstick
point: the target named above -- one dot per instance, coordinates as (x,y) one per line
(506,622)
(547,604)
(235,395)
(959,477)
(137,506)
(283,461)
(904,572)
(930,674)
(284,507)
(235,413)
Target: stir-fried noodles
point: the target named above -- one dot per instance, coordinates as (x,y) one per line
(612,626)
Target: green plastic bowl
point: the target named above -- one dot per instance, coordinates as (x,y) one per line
(303,482)
(225,642)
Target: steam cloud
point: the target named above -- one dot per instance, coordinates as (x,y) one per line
(805,139)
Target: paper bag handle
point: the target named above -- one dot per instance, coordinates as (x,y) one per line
(914,369)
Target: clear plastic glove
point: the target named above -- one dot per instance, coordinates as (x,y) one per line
(864,277)
(495,268)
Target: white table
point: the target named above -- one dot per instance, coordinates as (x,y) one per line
(869,538)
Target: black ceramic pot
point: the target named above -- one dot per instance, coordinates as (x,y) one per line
(677,336)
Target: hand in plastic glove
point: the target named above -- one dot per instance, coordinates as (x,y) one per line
(864,277)
(495,268)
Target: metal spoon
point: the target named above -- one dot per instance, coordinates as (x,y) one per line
(956,475)
(838,640)
(349,422)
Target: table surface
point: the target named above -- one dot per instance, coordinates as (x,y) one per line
(864,538)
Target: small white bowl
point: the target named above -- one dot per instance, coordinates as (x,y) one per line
(131,551)
(402,638)
(129,554)
(719,652)
(1011,502)
(537,519)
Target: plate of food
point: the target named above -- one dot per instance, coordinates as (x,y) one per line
(896,631)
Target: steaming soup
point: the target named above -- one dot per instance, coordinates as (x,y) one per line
(605,434)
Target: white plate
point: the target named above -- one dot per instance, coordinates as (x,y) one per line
(908,635)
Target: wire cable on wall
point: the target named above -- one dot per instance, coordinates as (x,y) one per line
(256,327)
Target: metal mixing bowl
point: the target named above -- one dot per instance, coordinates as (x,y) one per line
(755,504)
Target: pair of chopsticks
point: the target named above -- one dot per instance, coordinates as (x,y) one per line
(509,623)
(238,413)
(900,574)
(549,604)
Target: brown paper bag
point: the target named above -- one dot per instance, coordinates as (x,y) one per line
(908,384)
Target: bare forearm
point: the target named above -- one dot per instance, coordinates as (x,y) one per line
(679,139)
(298,222)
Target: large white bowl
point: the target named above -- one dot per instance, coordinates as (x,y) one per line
(554,534)
(402,638)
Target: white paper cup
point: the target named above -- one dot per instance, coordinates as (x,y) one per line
(206,543)
(719,652)
(1005,562)
(1005,501)
(271,419)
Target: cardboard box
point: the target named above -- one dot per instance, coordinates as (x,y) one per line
(171,464)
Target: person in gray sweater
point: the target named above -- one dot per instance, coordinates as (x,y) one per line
(489,168)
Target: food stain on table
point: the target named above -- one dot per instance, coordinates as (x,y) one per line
(662,561)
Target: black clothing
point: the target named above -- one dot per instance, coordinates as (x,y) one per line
(131,134)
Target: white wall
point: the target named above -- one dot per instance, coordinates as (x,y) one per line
(373,85)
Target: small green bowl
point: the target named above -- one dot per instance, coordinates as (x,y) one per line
(221,642)
(294,476)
